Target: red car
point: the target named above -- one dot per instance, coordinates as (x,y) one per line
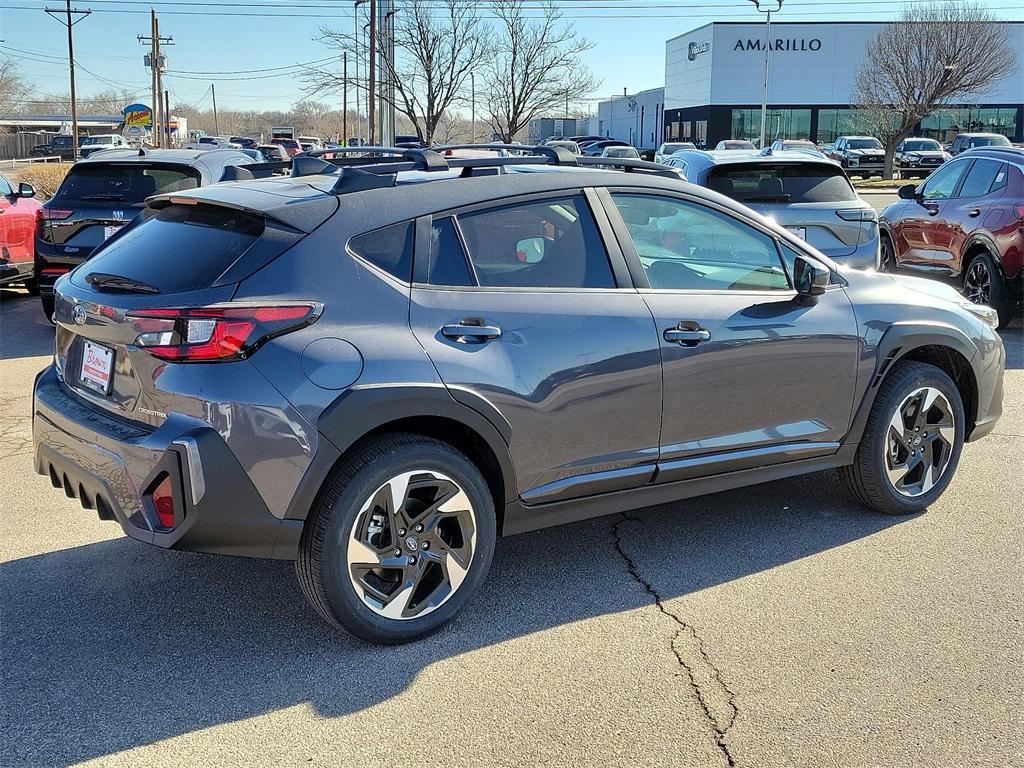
(965,223)
(291,146)
(18,212)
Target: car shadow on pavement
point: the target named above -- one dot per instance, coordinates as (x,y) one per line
(116,645)
(24,330)
(1013,341)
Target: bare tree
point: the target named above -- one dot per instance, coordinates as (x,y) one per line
(13,88)
(438,43)
(538,61)
(933,56)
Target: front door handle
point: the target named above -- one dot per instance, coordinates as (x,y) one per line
(974,212)
(687,337)
(471,330)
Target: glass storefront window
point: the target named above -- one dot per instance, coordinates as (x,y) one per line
(945,124)
(833,123)
(782,124)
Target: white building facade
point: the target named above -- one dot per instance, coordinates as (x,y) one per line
(714,82)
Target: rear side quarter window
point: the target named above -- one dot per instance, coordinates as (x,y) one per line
(389,249)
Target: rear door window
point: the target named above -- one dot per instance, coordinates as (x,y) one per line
(769,182)
(180,248)
(980,178)
(549,243)
(129,184)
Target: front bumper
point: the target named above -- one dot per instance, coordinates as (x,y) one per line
(110,466)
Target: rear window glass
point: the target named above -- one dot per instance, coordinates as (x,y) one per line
(389,249)
(181,248)
(128,184)
(767,183)
(988,141)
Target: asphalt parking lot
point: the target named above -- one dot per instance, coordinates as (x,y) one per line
(779,625)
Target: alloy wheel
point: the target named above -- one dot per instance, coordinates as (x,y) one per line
(411,544)
(978,282)
(919,442)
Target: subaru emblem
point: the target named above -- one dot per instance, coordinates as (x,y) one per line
(78,314)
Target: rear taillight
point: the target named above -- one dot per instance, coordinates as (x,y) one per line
(44,215)
(1018,210)
(220,333)
(856,214)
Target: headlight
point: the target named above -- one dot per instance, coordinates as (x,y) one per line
(854,161)
(982,311)
(914,156)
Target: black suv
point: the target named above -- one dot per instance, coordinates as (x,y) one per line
(101,194)
(378,370)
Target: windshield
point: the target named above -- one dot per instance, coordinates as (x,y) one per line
(770,183)
(989,141)
(98,140)
(668,149)
(864,144)
(798,145)
(129,183)
(924,145)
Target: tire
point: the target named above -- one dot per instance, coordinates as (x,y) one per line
(888,256)
(32,286)
(983,284)
(869,477)
(379,604)
(49,303)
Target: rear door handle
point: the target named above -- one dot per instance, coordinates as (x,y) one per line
(687,337)
(470,330)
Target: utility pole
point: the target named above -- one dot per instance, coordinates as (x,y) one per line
(372,85)
(472,106)
(216,120)
(69,21)
(156,80)
(167,116)
(344,99)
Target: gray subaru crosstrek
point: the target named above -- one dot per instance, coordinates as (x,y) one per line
(377,369)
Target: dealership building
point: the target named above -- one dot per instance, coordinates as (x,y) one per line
(714,84)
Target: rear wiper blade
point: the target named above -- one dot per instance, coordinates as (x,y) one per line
(783,198)
(105,196)
(104,282)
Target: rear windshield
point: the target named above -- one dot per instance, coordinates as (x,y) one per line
(98,182)
(769,183)
(181,248)
(668,149)
(988,141)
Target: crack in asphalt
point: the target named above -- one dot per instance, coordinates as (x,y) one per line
(15,437)
(715,698)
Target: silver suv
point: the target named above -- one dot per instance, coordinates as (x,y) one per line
(376,370)
(803,191)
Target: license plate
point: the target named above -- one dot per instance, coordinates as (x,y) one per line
(108,232)
(800,232)
(97,366)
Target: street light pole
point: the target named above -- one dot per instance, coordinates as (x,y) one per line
(472,106)
(355,40)
(767,60)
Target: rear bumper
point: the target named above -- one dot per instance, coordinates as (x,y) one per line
(55,257)
(110,467)
(18,272)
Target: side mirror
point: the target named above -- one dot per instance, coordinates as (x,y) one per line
(908,192)
(26,190)
(811,278)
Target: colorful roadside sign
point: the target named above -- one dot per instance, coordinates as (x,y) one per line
(137,116)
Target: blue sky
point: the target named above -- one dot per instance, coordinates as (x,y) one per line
(628,35)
